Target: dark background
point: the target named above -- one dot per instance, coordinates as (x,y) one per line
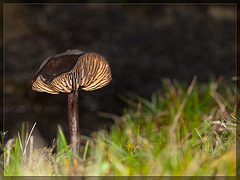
(143,43)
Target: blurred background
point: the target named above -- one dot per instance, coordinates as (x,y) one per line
(143,44)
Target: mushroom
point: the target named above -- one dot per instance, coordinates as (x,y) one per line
(66,73)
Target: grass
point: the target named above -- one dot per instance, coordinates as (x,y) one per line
(180,131)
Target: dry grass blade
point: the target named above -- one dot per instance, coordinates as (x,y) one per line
(114,117)
(31,144)
(171,87)
(26,138)
(218,101)
(8,147)
(172,133)
(25,149)
(160,114)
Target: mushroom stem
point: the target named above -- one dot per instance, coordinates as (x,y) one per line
(73,120)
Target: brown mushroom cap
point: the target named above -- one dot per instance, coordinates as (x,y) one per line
(72,70)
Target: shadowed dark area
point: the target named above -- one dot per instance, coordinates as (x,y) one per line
(57,66)
(142,43)
(54,66)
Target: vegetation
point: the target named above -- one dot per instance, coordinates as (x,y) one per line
(181,131)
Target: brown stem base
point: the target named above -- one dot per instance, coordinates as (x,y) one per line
(73,120)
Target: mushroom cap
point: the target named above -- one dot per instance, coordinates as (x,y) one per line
(72,70)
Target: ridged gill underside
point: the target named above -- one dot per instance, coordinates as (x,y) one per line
(91,72)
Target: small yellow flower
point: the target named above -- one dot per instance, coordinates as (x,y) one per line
(130,147)
(75,162)
(65,161)
(109,159)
